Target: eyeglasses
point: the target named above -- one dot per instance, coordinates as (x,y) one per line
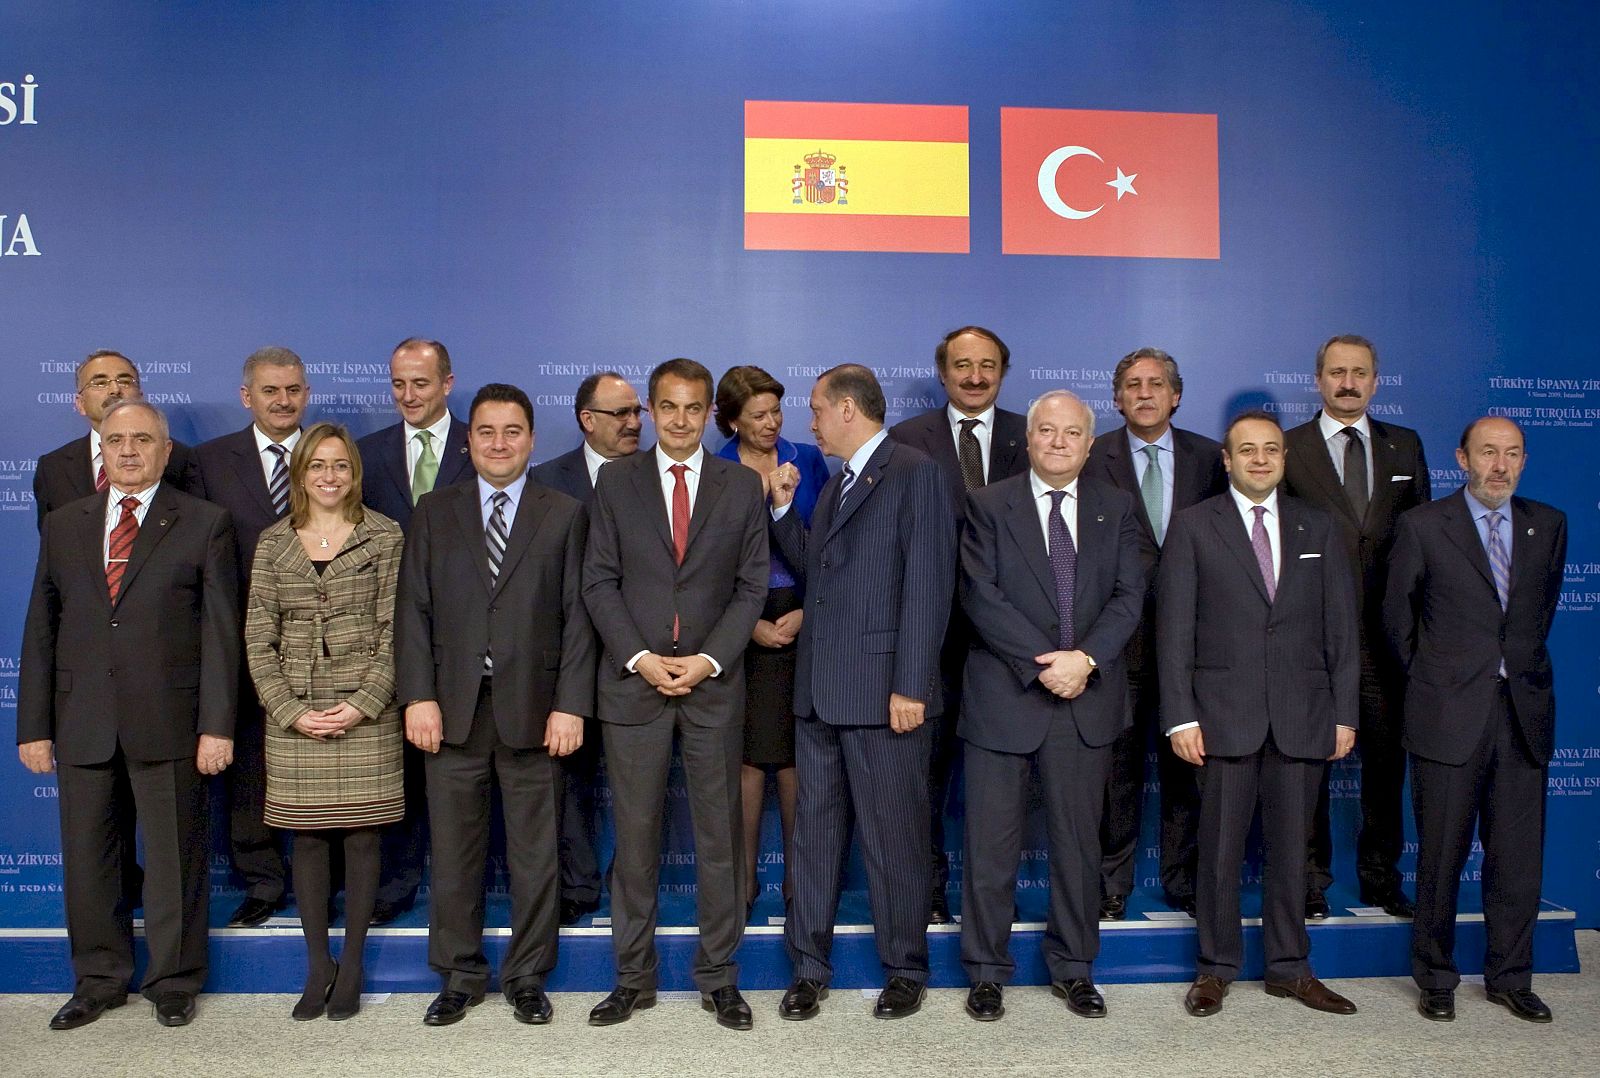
(101,382)
(317,467)
(633,412)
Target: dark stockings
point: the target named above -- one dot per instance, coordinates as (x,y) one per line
(312,883)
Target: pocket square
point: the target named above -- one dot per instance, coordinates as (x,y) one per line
(1399,478)
(1304,556)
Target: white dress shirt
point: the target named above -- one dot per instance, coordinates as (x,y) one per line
(983,431)
(1247,512)
(1333,437)
(114,514)
(594,461)
(669,483)
(1069,507)
(95,461)
(440,431)
(269,459)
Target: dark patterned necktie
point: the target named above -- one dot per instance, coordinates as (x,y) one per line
(1355,472)
(971,455)
(100,480)
(495,535)
(1263,548)
(844,488)
(121,546)
(278,485)
(1064,566)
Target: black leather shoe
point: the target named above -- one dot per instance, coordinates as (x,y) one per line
(1523,1003)
(1113,907)
(730,1008)
(900,998)
(253,913)
(81,1010)
(450,1007)
(175,1008)
(531,1006)
(314,1000)
(1316,906)
(802,1000)
(1437,1004)
(620,1005)
(1081,996)
(938,909)
(985,1001)
(384,913)
(1394,903)
(574,910)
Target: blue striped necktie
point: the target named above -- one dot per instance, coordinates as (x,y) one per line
(278,485)
(844,488)
(1499,560)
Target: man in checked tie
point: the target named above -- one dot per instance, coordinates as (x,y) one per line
(129,679)
(1473,585)
(494,666)
(247,473)
(1366,473)
(1259,666)
(1052,578)
(675,579)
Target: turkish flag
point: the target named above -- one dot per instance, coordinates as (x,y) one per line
(1127,184)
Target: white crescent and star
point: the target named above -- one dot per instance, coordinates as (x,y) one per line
(1052,198)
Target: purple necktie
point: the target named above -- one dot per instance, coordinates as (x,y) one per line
(1064,565)
(1263,549)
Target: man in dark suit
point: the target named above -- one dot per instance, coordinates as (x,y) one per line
(1052,579)
(247,473)
(675,578)
(608,414)
(1473,584)
(130,667)
(1257,644)
(1366,474)
(427,449)
(975,442)
(880,569)
(75,470)
(494,659)
(1166,470)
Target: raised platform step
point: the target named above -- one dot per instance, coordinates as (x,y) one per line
(1152,944)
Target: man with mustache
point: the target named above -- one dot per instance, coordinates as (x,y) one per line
(1473,584)
(975,443)
(609,415)
(247,473)
(1366,474)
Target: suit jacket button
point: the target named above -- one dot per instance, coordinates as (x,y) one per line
(494,610)
(114,623)
(322,596)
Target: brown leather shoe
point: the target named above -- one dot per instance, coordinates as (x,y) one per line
(1204,997)
(1313,993)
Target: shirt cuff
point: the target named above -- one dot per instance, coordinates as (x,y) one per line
(628,666)
(1184,726)
(716,667)
(1342,726)
(778,513)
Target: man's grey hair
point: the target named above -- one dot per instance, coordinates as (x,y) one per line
(271,356)
(1061,394)
(102,353)
(139,402)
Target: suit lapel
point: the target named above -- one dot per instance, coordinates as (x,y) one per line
(647,485)
(865,483)
(159,520)
(1231,530)
(1005,444)
(1319,466)
(393,459)
(1092,528)
(248,472)
(531,511)
(712,480)
(1189,471)
(1119,462)
(1464,533)
(469,517)
(1385,463)
(80,469)
(1291,543)
(1523,539)
(91,539)
(454,464)
(1022,521)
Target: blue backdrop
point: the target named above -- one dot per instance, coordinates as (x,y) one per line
(553,191)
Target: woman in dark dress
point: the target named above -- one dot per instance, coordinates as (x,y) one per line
(319,637)
(749,412)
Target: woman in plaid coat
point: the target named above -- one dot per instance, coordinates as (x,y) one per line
(319,637)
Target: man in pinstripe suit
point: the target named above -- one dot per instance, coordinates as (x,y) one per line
(880,569)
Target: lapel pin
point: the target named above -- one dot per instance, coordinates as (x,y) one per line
(1100,518)
(1299,527)
(1530,531)
(163,524)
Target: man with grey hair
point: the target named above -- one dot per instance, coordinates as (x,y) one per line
(129,677)
(247,473)
(1165,469)
(1052,579)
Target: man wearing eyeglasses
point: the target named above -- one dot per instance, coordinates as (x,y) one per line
(610,417)
(76,470)
(425,451)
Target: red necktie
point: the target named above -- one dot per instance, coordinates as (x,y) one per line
(100,480)
(121,545)
(680,523)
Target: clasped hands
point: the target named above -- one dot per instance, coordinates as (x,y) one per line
(1065,673)
(673,675)
(780,633)
(330,722)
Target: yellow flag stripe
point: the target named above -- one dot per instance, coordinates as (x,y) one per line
(885,178)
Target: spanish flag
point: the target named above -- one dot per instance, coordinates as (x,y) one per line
(830,176)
